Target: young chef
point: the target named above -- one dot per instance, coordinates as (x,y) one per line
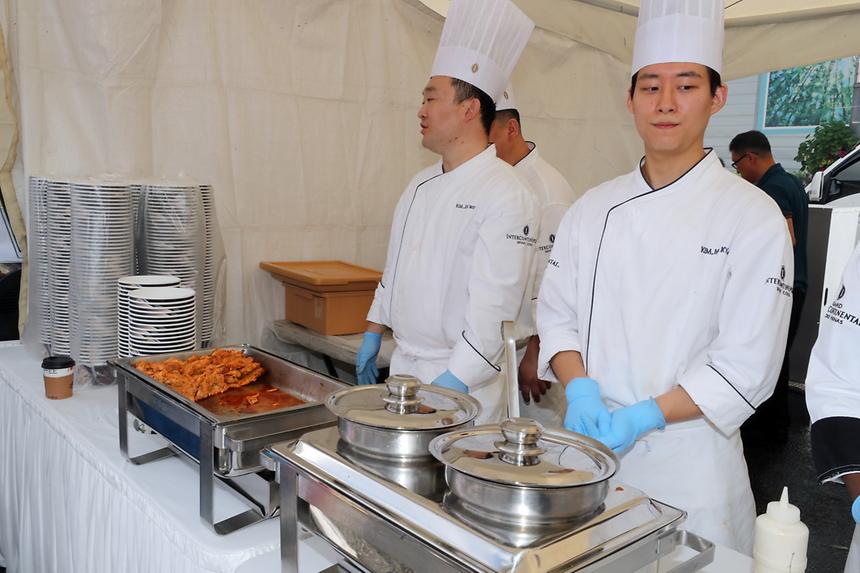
(665,305)
(464,230)
(833,396)
(554,196)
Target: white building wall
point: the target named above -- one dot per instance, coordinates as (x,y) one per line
(741,114)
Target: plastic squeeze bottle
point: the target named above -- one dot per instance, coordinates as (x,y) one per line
(780,539)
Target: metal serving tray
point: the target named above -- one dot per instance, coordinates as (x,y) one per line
(378,525)
(226,446)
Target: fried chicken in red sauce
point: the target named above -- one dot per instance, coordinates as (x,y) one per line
(199,377)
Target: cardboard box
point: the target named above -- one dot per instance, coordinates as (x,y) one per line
(330,297)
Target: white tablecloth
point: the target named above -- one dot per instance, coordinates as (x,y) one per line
(69,502)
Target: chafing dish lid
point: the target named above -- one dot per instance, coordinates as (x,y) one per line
(521,452)
(403,403)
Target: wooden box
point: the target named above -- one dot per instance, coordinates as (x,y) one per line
(330,297)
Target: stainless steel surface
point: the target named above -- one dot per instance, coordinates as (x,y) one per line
(379,525)
(516,474)
(425,476)
(311,387)
(226,448)
(522,452)
(399,419)
(512,369)
(403,403)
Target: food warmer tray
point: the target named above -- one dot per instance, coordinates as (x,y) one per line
(377,525)
(226,446)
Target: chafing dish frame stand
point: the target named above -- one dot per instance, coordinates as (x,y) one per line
(192,422)
(631,558)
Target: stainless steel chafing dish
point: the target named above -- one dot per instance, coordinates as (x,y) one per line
(226,445)
(500,517)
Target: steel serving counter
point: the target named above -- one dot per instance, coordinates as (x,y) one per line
(69,501)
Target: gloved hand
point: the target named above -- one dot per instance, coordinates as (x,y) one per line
(448,380)
(365,361)
(586,412)
(627,424)
(855,510)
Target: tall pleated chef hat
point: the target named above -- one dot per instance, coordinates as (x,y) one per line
(481,43)
(679,31)
(506,100)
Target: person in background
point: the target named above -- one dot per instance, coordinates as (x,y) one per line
(833,397)
(464,230)
(753,160)
(665,305)
(554,196)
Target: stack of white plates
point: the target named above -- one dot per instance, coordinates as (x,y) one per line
(102,252)
(126,285)
(161,319)
(59,258)
(207,315)
(173,234)
(38,234)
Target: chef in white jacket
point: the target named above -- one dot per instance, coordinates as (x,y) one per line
(665,305)
(833,396)
(465,228)
(541,399)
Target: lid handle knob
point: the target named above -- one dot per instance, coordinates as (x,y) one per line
(402,394)
(520,446)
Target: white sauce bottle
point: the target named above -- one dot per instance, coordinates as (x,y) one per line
(780,539)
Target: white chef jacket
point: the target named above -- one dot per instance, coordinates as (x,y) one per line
(554,196)
(833,390)
(688,285)
(458,262)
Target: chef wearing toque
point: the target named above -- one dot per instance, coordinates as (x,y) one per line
(464,230)
(542,400)
(665,306)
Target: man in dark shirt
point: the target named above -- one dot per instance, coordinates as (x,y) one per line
(753,160)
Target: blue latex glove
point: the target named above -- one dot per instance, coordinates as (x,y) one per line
(855,510)
(586,412)
(365,362)
(631,422)
(451,382)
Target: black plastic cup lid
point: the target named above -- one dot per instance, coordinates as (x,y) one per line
(57,362)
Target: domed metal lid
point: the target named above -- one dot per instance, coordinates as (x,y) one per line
(521,452)
(403,403)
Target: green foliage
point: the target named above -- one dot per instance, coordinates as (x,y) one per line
(825,145)
(811,95)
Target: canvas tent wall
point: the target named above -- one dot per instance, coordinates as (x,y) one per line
(301,113)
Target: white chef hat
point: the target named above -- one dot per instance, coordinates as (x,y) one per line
(481,43)
(679,31)
(506,100)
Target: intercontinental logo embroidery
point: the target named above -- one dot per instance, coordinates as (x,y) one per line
(779,282)
(523,239)
(837,314)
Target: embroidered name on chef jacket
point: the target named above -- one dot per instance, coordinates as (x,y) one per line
(714,250)
(781,286)
(839,316)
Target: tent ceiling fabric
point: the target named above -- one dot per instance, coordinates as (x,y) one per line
(301,113)
(761,35)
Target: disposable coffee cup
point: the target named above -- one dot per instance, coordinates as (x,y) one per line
(58,372)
